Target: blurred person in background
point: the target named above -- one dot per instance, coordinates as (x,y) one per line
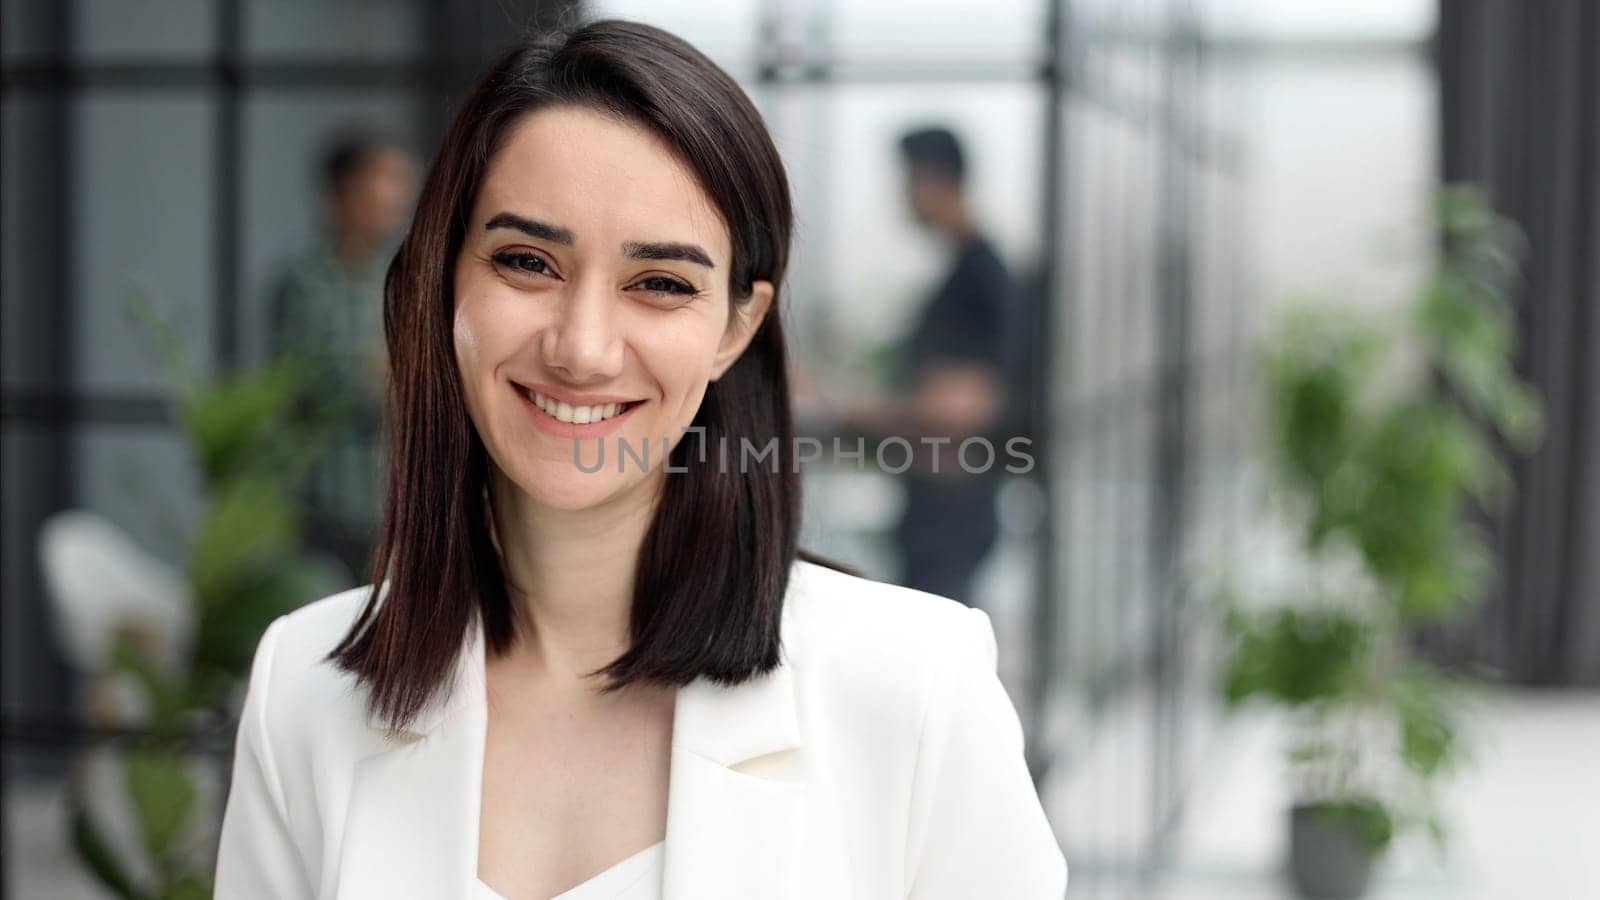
(324,308)
(949,380)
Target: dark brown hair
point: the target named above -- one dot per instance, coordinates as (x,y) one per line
(714,565)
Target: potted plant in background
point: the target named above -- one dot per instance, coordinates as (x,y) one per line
(252,435)
(1381,473)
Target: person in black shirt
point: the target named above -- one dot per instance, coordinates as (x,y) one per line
(950,379)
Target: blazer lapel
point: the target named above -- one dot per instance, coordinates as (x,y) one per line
(736,799)
(412,826)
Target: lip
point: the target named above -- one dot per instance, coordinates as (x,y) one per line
(554,426)
(572,397)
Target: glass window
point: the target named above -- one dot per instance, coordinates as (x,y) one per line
(144,227)
(727,31)
(143,480)
(154,30)
(346,30)
(943,31)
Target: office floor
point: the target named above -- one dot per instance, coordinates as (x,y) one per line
(1526,816)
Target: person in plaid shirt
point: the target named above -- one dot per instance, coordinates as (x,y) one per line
(325,309)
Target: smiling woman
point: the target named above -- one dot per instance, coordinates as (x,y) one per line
(593,301)
(576,681)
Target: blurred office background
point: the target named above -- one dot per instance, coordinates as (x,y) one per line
(1163,178)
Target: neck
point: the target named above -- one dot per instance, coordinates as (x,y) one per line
(570,576)
(958,224)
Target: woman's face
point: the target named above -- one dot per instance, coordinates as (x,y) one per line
(592,306)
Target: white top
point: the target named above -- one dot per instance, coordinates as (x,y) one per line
(882,758)
(636,878)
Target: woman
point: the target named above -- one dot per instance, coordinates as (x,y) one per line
(616,679)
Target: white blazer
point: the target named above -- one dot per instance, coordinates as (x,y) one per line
(881,759)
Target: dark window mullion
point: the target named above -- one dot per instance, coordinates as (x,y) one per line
(228,168)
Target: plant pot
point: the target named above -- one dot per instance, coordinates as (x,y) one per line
(1328,857)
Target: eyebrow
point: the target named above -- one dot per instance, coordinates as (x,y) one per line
(531,227)
(660,250)
(667,250)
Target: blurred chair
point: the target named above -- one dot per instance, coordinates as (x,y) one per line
(101,583)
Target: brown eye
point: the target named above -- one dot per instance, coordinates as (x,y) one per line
(661,284)
(528,263)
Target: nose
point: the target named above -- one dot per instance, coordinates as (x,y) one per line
(584,344)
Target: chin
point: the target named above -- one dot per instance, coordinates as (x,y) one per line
(565,487)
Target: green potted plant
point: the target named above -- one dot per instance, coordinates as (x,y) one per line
(251,435)
(1380,473)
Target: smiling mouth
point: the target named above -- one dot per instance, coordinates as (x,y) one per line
(576,415)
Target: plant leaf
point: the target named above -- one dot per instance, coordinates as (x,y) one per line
(99,858)
(162,795)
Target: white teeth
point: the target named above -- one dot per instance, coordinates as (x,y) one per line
(577,415)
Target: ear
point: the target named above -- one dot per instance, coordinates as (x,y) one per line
(745,320)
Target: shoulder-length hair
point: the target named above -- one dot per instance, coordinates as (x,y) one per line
(714,565)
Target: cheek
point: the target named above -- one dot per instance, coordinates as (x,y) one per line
(484,334)
(469,352)
(470,329)
(466,334)
(491,321)
(682,357)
